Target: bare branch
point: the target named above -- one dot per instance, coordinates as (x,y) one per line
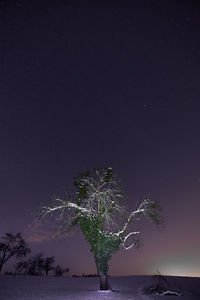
(151,209)
(136,240)
(132,215)
(64,205)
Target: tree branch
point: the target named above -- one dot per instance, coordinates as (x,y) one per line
(135,243)
(47,209)
(132,215)
(151,209)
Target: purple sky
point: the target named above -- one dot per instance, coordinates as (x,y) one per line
(83,86)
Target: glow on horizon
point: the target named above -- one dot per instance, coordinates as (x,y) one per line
(176,272)
(187,265)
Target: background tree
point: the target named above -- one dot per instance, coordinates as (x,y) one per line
(59,271)
(48,264)
(21,268)
(35,265)
(96,207)
(12,245)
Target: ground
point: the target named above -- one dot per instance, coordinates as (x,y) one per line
(67,288)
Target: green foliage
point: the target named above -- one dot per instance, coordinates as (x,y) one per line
(81,183)
(103,244)
(108,174)
(100,192)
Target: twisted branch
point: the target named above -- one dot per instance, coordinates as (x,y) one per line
(135,243)
(150,209)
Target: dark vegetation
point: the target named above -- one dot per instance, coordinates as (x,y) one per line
(59,271)
(14,246)
(85,275)
(161,287)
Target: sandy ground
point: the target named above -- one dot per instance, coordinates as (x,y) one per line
(66,288)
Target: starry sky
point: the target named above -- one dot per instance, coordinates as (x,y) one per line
(85,85)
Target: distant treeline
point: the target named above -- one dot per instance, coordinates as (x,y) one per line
(14,246)
(85,275)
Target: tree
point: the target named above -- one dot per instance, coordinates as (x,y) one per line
(21,268)
(12,246)
(35,264)
(96,207)
(59,271)
(48,264)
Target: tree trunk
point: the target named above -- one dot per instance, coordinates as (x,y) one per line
(3,260)
(104,284)
(1,266)
(102,269)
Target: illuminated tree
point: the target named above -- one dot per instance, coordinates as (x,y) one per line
(96,207)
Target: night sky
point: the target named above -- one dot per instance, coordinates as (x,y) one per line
(85,86)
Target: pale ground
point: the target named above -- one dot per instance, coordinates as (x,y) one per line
(67,288)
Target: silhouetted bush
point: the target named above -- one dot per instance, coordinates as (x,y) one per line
(59,271)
